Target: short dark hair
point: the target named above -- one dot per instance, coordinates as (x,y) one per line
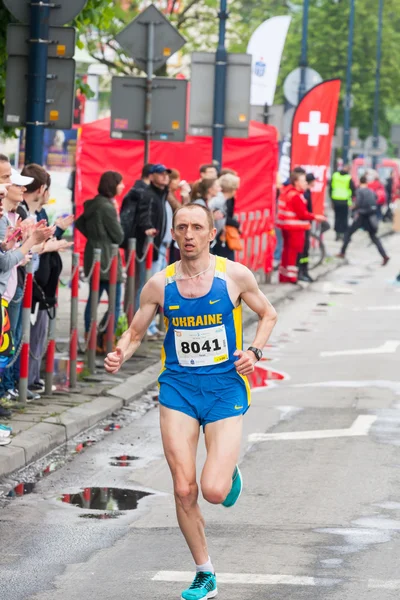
(146,170)
(4,158)
(191,207)
(363,179)
(40,177)
(108,184)
(296,174)
(204,168)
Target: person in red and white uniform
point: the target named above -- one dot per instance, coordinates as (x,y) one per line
(293,219)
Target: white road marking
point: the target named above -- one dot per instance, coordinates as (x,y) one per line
(394,307)
(394,386)
(390,584)
(387,348)
(360,427)
(245,578)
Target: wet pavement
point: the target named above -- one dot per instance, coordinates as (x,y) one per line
(319,516)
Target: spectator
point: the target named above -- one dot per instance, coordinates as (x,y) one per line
(130,203)
(378,188)
(129,220)
(209,171)
(11,256)
(155,221)
(206,191)
(176,184)
(100,224)
(13,292)
(227,239)
(47,271)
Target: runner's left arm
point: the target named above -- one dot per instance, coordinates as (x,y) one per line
(130,341)
(254,298)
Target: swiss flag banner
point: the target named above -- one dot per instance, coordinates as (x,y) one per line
(313,128)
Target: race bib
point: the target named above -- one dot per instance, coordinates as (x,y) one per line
(201,347)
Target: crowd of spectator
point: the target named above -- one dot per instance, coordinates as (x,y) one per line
(26,237)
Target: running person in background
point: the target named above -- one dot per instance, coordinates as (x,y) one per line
(203,380)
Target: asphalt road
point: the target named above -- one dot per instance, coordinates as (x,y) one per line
(320,512)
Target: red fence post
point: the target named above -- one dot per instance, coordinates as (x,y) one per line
(149,261)
(73,343)
(26,333)
(95,288)
(112,295)
(130,291)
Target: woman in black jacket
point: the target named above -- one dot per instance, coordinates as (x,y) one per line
(99,223)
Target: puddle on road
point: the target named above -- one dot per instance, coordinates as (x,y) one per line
(262,378)
(105,498)
(24,481)
(122,461)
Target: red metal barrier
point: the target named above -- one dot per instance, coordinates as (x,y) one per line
(73,344)
(149,261)
(112,298)
(26,331)
(130,282)
(95,288)
(258,238)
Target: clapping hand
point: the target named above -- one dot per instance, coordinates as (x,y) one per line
(65,222)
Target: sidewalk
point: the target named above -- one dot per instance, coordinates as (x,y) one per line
(43,425)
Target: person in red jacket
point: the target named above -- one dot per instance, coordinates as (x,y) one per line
(294,220)
(376,186)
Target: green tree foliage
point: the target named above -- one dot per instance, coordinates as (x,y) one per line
(197,20)
(327,49)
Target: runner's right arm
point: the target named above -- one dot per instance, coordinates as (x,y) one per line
(150,298)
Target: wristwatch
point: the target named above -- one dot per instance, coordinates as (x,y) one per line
(257,352)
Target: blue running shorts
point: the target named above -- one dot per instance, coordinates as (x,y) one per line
(206,398)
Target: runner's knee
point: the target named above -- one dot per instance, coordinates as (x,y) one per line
(186,493)
(215,493)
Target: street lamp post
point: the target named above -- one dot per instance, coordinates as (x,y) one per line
(347,101)
(220,86)
(375,127)
(303,58)
(37,80)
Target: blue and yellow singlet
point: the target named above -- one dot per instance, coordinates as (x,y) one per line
(203,333)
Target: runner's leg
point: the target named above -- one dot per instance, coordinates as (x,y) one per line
(223,439)
(180,436)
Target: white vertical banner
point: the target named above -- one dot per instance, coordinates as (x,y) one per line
(266,47)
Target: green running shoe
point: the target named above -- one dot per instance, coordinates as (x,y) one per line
(236,489)
(204,586)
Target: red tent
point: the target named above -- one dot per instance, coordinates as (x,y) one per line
(255,159)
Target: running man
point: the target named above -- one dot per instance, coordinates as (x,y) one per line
(203,379)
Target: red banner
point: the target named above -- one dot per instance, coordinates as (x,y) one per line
(313,128)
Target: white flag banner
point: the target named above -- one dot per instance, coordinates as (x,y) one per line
(266,47)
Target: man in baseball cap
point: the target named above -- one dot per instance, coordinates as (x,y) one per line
(159,169)
(20,180)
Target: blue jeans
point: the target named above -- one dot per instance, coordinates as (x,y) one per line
(104,286)
(11,376)
(279,244)
(158,265)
